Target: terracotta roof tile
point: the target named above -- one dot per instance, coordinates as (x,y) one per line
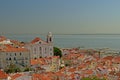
(108,58)
(42,61)
(13,77)
(46,76)
(81,66)
(116,59)
(3,75)
(72,70)
(59,74)
(88,71)
(72,75)
(38,61)
(35,40)
(13,49)
(2,38)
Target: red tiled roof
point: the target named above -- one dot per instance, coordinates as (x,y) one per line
(13,77)
(38,61)
(72,75)
(15,47)
(72,70)
(88,71)
(59,73)
(63,69)
(35,40)
(81,66)
(36,76)
(46,76)
(3,75)
(118,74)
(15,50)
(43,61)
(11,48)
(116,59)
(72,56)
(2,38)
(108,58)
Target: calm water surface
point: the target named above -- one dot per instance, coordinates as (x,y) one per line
(69,41)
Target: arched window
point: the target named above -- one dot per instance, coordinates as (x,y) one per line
(9,58)
(50,39)
(20,54)
(34,50)
(15,54)
(39,42)
(14,58)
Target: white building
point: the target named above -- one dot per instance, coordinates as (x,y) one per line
(4,40)
(39,48)
(14,55)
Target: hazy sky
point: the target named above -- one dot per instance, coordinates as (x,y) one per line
(60,16)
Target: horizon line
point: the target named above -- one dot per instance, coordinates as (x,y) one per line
(63,33)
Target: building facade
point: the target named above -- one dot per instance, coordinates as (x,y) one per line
(39,48)
(12,55)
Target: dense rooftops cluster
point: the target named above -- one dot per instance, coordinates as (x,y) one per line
(75,64)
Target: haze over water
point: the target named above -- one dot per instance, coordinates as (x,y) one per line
(70,41)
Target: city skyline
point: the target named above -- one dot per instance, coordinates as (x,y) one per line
(60,17)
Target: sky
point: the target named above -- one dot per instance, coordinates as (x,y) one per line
(60,16)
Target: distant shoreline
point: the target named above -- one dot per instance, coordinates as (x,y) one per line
(53,33)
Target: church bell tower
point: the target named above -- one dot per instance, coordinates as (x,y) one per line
(49,37)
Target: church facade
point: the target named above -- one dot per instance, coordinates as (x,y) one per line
(39,48)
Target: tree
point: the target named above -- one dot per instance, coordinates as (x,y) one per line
(57,52)
(12,68)
(27,69)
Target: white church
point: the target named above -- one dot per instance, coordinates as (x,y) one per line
(39,48)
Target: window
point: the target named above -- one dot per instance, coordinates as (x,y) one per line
(14,58)
(26,58)
(6,58)
(50,49)
(40,50)
(6,53)
(23,62)
(35,50)
(20,54)
(16,62)
(50,39)
(45,51)
(39,42)
(15,54)
(50,53)
(9,58)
